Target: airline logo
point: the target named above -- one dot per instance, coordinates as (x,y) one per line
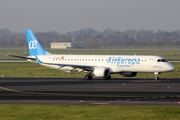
(123,62)
(33,44)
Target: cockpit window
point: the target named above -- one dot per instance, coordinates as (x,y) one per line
(164,60)
(161,60)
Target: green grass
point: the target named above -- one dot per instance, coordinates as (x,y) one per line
(87,112)
(168,54)
(35,70)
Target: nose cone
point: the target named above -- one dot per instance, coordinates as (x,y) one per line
(170,67)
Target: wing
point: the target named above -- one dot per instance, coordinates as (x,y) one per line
(84,67)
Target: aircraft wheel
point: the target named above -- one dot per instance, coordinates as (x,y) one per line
(108,78)
(156,78)
(88,77)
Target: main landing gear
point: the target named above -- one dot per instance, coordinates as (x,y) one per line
(107,78)
(88,77)
(156,75)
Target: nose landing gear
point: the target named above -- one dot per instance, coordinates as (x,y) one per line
(156,78)
(156,75)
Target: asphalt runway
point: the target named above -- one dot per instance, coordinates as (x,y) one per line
(78,91)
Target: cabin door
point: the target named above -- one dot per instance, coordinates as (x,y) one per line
(151,62)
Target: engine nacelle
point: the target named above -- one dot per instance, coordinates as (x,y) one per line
(129,74)
(101,72)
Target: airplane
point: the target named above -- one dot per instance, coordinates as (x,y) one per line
(101,66)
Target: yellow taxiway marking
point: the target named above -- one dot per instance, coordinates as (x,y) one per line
(154,97)
(128,99)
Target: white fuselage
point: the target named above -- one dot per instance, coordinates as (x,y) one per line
(97,65)
(115,63)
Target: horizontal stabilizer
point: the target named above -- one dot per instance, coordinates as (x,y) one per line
(23,57)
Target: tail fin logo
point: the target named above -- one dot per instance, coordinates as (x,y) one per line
(33,44)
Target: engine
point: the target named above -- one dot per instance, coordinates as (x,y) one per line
(101,72)
(129,74)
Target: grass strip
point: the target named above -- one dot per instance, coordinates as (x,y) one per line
(88,112)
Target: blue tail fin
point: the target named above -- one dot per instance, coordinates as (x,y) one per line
(35,47)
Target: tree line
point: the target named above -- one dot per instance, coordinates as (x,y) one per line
(91,38)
